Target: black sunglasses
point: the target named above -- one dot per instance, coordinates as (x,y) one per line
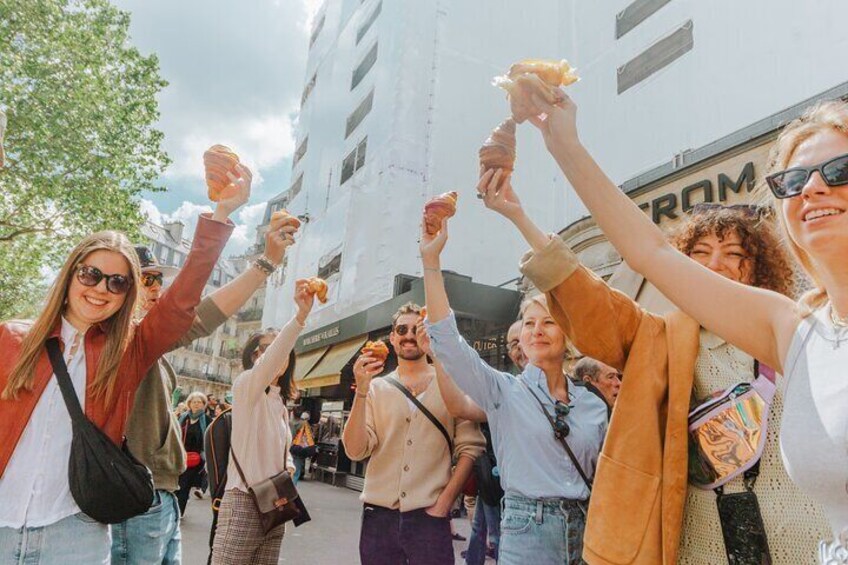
(562,429)
(91,276)
(149,279)
(403,329)
(791,182)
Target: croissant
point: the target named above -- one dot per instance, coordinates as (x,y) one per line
(423,312)
(281,216)
(218,160)
(498,151)
(437,209)
(376,349)
(534,76)
(319,288)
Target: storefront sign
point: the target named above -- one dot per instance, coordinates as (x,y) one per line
(705,190)
(483,345)
(319,337)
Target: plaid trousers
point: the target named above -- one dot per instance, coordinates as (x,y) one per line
(239,538)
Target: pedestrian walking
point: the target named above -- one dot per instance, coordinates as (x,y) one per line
(402,424)
(193,426)
(260,440)
(303,444)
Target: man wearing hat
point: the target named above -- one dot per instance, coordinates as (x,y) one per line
(152,431)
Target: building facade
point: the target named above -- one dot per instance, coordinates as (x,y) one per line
(208,364)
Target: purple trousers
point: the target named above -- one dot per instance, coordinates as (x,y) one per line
(392,537)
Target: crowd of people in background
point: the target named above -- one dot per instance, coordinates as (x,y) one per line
(597,459)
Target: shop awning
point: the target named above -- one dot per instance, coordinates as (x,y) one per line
(328,371)
(306,361)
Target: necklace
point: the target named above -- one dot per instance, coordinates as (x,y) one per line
(416,390)
(836,320)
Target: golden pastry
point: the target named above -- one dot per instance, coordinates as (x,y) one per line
(534,76)
(437,209)
(282,216)
(219,160)
(376,349)
(498,151)
(319,288)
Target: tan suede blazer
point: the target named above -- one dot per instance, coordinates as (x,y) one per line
(636,510)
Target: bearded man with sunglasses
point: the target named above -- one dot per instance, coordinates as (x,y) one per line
(409,483)
(153,434)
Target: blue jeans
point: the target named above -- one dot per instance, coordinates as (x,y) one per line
(487,520)
(152,538)
(544,532)
(75,540)
(299,465)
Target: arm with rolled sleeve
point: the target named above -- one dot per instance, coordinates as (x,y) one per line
(468,440)
(370,430)
(474,376)
(600,321)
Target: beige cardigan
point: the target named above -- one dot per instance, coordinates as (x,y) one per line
(260,436)
(410,462)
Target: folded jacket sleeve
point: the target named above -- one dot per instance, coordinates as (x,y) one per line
(482,382)
(173,315)
(601,322)
(468,440)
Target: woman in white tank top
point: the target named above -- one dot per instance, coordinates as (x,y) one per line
(806,341)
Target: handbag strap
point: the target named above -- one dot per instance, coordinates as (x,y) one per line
(238,467)
(397,384)
(60,369)
(559,437)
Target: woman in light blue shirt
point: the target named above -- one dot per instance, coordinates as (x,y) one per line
(545,502)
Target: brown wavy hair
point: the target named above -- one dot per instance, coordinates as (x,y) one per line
(771,267)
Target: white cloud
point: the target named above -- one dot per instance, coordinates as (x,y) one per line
(246,220)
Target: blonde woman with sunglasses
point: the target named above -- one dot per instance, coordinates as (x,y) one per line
(90,310)
(806,341)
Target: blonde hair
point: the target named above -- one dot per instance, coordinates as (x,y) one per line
(118,327)
(542,300)
(196,395)
(832,115)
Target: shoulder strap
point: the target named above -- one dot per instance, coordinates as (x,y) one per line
(65,384)
(394,382)
(238,467)
(561,439)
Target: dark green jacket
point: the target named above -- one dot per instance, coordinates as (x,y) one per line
(153,434)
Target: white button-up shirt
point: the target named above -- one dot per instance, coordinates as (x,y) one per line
(34,489)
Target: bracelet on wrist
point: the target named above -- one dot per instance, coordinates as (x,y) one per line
(264,264)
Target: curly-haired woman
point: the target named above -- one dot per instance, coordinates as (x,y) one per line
(806,341)
(641,509)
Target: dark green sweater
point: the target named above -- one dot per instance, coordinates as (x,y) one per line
(153,434)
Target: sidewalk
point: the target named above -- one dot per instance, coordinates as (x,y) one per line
(331,538)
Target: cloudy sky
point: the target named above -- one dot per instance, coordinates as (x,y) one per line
(235,71)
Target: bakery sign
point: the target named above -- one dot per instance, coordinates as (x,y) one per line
(320,336)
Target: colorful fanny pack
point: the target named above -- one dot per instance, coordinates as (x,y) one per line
(727,432)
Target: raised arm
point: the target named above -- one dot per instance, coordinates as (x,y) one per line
(476,378)
(600,321)
(758,321)
(457,402)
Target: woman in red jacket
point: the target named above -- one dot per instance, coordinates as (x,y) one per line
(90,308)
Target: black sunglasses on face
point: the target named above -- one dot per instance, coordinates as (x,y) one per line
(403,329)
(91,276)
(149,279)
(791,182)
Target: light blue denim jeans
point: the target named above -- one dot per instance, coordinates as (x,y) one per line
(75,540)
(152,538)
(542,532)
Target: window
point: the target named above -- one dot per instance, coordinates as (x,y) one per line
(359,114)
(363,29)
(295,188)
(301,151)
(315,32)
(364,66)
(354,161)
(332,267)
(170,258)
(216,277)
(308,89)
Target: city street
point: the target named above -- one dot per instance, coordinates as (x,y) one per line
(331,538)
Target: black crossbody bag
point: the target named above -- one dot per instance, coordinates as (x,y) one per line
(560,437)
(395,383)
(106,481)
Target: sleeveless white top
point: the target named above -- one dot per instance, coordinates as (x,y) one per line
(814,431)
